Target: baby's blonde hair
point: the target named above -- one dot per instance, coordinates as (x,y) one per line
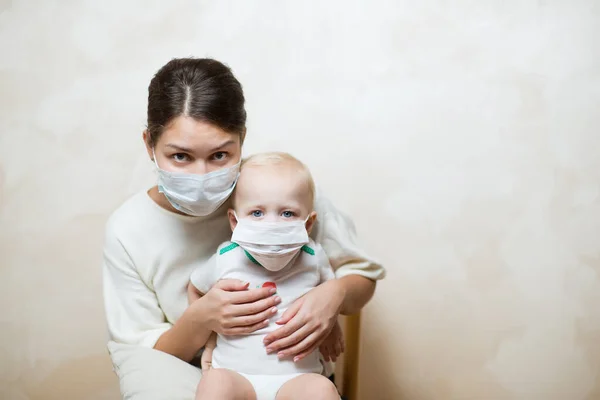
(274,158)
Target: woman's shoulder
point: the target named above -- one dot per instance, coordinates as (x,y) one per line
(329,218)
(132,212)
(323,205)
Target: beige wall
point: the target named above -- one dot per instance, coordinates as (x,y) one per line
(463,136)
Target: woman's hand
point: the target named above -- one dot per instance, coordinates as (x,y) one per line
(229,308)
(307,322)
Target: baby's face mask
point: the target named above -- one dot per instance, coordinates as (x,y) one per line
(272,244)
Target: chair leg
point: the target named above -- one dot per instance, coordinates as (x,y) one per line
(351,358)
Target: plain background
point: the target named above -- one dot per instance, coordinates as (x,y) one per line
(462,136)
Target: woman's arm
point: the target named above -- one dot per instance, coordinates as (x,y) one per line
(132,311)
(357,291)
(186,338)
(308,321)
(134,315)
(227,308)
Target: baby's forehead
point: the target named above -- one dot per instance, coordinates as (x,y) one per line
(269,171)
(271,178)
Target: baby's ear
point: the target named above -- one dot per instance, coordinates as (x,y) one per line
(310,222)
(232,218)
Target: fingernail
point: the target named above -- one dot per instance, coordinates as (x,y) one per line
(280,354)
(273,310)
(277,299)
(272,291)
(269,350)
(296,359)
(266,322)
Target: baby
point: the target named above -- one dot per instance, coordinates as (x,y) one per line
(271,219)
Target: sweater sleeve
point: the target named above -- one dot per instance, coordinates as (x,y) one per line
(325,271)
(336,233)
(203,277)
(132,310)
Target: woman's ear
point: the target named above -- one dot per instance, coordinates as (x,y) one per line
(310,222)
(242,137)
(146,137)
(232,218)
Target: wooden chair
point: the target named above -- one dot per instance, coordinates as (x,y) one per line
(349,383)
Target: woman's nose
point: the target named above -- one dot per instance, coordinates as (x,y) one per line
(200,167)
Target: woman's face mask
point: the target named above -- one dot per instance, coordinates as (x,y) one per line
(198,165)
(197,195)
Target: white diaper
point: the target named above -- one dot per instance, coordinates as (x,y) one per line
(267,386)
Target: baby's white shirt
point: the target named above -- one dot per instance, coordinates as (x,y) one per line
(247,354)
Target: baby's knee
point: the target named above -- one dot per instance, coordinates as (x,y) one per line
(319,387)
(216,384)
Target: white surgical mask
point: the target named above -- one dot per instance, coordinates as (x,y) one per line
(272,244)
(197,195)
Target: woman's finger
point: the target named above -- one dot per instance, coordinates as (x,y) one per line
(252,295)
(332,355)
(303,348)
(290,312)
(337,349)
(247,320)
(245,330)
(240,310)
(231,285)
(290,340)
(283,332)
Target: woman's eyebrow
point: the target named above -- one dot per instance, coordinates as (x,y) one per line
(189,150)
(224,144)
(179,148)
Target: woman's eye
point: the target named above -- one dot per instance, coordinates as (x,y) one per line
(257,213)
(287,214)
(180,157)
(219,156)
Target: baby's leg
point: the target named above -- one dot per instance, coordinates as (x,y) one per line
(224,384)
(308,386)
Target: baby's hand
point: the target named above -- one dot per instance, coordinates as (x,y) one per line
(333,345)
(206,359)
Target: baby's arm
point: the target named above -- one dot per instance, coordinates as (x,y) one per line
(206,360)
(193,294)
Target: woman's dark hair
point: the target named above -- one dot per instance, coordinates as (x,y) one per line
(201,88)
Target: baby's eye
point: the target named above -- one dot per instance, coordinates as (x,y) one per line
(257,213)
(180,157)
(219,156)
(287,214)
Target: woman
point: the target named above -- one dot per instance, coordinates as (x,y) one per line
(196,128)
